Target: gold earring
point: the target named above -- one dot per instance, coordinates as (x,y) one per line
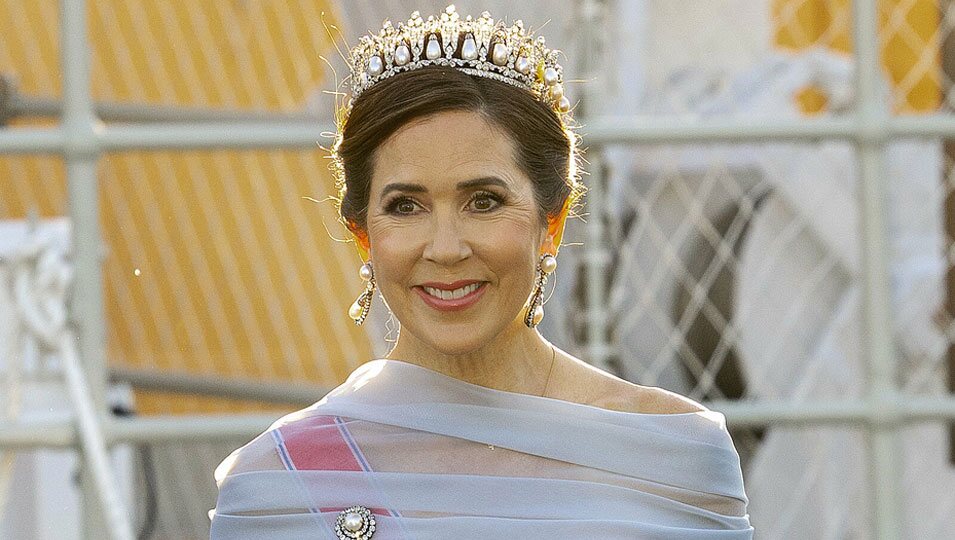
(535,311)
(359,310)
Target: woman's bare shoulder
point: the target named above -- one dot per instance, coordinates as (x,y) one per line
(655,400)
(259,454)
(603,389)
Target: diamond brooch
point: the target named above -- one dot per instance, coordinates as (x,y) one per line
(355,523)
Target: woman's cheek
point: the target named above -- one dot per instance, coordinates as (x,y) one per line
(509,229)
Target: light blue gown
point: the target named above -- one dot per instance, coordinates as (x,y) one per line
(437,458)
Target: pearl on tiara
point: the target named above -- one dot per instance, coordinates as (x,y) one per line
(523,65)
(469,49)
(550,76)
(375,67)
(402,55)
(434,48)
(488,49)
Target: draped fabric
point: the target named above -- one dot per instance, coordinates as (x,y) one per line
(434,457)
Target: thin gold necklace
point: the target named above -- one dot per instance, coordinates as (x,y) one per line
(552,362)
(546,382)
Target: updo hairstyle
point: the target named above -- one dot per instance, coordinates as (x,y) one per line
(545,148)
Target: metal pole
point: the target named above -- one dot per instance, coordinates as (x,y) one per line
(948,145)
(878,340)
(595,255)
(154,136)
(29,106)
(207,385)
(21,435)
(81,153)
(93,444)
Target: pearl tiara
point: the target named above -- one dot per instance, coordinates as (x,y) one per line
(488,49)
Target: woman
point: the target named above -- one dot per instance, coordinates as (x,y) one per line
(458,170)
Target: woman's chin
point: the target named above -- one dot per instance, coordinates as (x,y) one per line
(456,333)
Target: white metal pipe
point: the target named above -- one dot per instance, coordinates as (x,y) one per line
(849,412)
(31,106)
(37,434)
(148,430)
(234,135)
(203,428)
(102,506)
(595,260)
(941,126)
(193,428)
(93,442)
(878,335)
(661,130)
(190,383)
(32,140)
(598,132)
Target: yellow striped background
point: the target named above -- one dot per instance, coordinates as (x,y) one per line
(216,263)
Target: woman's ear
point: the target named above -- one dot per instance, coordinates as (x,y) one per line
(361,241)
(555,230)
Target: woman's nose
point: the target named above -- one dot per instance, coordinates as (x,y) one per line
(447,245)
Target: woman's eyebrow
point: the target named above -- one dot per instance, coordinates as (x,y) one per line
(480,182)
(399,186)
(467,184)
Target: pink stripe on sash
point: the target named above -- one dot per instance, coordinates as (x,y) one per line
(313,446)
(321,443)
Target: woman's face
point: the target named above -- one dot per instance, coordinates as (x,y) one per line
(448,207)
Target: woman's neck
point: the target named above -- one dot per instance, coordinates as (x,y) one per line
(518,360)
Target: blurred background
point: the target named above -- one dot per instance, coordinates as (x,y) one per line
(769,230)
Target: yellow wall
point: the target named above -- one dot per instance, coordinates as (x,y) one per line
(910,44)
(237,275)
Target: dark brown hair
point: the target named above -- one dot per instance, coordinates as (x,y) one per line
(546,149)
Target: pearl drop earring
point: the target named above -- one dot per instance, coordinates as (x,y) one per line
(359,310)
(535,311)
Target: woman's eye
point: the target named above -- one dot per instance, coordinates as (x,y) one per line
(401,206)
(484,202)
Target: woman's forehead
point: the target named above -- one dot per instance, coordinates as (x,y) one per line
(445,149)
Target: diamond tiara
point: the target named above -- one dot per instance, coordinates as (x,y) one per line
(478,47)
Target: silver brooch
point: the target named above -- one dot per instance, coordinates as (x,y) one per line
(355,523)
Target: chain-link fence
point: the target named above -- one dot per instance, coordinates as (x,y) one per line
(769,230)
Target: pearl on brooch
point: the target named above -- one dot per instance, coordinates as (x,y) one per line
(550,76)
(433,51)
(499,54)
(402,55)
(375,66)
(469,49)
(353,521)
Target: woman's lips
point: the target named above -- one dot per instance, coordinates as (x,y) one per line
(454,304)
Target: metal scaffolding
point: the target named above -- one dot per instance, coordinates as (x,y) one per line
(81,139)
